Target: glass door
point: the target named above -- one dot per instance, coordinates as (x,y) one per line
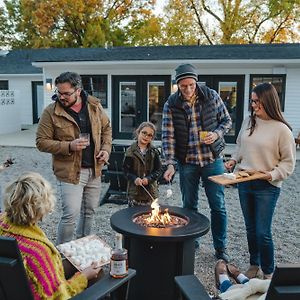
(137,99)
(156,100)
(231,90)
(127,103)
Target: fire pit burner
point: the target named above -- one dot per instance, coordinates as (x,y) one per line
(173,221)
(159,254)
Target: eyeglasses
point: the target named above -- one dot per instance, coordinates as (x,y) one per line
(58,93)
(255,101)
(146,134)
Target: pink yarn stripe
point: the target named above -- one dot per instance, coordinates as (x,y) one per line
(48,285)
(31,264)
(51,273)
(5,225)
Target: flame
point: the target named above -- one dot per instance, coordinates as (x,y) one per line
(158,217)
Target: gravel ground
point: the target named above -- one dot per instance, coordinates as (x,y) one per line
(285,225)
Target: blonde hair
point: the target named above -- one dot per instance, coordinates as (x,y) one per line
(142,126)
(28,199)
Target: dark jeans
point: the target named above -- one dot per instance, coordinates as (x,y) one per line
(189,185)
(258,200)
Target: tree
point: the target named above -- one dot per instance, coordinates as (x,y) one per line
(68,23)
(238,21)
(179,25)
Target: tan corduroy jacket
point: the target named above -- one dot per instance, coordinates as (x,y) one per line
(56,130)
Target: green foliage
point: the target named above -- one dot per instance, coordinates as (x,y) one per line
(96,23)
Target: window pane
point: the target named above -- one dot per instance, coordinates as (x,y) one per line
(277,80)
(96,85)
(3,84)
(127,106)
(156,99)
(227,91)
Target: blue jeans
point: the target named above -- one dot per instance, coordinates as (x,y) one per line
(78,199)
(189,185)
(258,200)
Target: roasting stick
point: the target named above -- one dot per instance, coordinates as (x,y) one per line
(148,193)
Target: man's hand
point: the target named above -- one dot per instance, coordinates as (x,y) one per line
(210,138)
(169,173)
(102,157)
(78,144)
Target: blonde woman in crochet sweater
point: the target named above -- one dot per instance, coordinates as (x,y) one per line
(26,201)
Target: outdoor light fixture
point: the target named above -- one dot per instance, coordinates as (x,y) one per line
(49,84)
(174,86)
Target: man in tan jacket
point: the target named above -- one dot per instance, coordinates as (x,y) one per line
(77,161)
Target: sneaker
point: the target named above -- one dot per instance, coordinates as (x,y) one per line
(252,272)
(221,254)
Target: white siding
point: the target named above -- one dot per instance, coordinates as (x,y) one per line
(292,99)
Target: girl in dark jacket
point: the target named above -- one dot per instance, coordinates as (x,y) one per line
(142,166)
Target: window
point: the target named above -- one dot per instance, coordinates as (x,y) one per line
(3,84)
(96,85)
(277,80)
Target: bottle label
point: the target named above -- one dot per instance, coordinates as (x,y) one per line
(118,267)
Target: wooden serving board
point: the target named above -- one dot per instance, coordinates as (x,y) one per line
(221,179)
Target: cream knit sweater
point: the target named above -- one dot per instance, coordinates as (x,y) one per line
(271,147)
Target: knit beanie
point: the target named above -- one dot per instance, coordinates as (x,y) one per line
(186,71)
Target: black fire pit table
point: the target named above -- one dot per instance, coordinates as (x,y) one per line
(159,254)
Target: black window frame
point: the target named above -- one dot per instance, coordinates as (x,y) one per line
(267,77)
(4,83)
(87,86)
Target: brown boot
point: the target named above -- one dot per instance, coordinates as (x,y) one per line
(252,272)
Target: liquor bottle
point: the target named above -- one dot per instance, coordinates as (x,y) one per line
(119,259)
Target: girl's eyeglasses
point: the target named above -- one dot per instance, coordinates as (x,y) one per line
(146,134)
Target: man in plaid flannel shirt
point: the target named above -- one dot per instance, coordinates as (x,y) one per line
(192,109)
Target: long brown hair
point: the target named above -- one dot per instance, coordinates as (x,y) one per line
(268,98)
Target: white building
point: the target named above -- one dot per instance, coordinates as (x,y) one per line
(134,82)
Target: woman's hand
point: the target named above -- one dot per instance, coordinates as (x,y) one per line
(268,175)
(91,272)
(230,164)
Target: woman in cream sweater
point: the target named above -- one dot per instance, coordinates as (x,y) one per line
(265,143)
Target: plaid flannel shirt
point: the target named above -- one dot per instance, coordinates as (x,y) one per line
(197,153)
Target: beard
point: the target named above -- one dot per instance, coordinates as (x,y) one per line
(68,104)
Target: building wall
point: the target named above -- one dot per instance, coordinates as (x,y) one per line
(23,83)
(292,99)
(22,86)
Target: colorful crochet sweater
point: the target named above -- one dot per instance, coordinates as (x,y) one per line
(42,263)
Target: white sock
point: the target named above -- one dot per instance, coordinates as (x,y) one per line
(241,278)
(223,277)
